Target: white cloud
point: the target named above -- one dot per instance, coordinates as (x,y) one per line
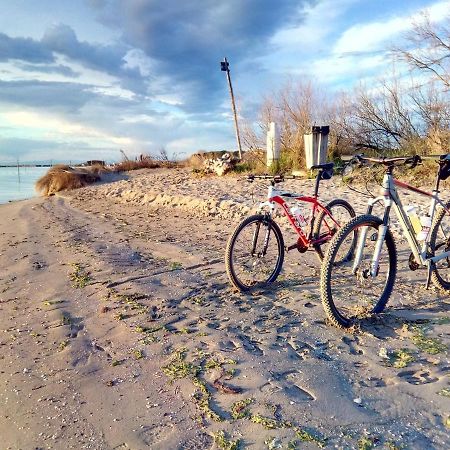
(372,36)
(337,68)
(137,59)
(51,127)
(319,22)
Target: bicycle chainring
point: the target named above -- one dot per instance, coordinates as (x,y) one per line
(412,263)
(300,246)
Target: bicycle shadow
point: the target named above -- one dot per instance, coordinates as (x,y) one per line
(390,323)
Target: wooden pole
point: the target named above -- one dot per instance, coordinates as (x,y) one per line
(233,105)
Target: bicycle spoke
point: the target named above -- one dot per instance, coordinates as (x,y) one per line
(440,243)
(254,253)
(349,290)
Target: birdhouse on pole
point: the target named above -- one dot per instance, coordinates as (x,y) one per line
(225,67)
(316,144)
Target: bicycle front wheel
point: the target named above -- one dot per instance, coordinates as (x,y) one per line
(349,290)
(255,253)
(440,243)
(342,212)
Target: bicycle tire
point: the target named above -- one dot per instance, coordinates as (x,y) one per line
(438,239)
(335,312)
(319,222)
(237,278)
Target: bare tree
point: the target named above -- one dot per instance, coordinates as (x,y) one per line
(295,107)
(394,116)
(429,48)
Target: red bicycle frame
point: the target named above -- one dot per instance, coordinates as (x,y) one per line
(304,240)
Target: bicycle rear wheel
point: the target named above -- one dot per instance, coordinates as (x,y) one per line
(255,252)
(342,212)
(440,243)
(350,293)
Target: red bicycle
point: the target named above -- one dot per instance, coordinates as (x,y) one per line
(255,251)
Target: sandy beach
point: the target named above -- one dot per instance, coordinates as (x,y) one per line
(119,330)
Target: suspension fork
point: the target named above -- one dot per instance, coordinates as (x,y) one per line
(382,230)
(266,237)
(381,235)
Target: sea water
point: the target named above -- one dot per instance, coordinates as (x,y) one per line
(18,183)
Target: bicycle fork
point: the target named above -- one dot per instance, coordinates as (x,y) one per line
(255,240)
(381,236)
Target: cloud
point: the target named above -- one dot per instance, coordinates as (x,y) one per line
(60,69)
(34,150)
(62,39)
(25,49)
(319,21)
(376,35)
(68,97)
(186,40)
(369,36)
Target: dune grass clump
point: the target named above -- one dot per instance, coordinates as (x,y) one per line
(147,163)
(65,178)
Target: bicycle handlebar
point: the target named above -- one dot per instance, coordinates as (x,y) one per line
(387,161)
(274,178)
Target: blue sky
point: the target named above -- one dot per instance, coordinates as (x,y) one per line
(82,79)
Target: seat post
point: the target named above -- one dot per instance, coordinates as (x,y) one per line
(316,188)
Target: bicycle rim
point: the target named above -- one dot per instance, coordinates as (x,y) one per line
(351,292)
(440,243)
(341,212)
(255,254)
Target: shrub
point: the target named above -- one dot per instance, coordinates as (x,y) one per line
(62,177)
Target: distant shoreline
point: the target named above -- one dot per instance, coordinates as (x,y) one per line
(26,165)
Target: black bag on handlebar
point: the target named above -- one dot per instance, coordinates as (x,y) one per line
(444,169)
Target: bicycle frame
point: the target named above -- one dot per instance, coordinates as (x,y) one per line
(391,198)
(277,197)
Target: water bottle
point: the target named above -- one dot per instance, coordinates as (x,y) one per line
(425,222)
(297,213)
(411,211)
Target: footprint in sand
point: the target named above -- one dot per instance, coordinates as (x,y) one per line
(156,434)
(352,344)
(298,394)
(250,345)
(419,377)
(202,441)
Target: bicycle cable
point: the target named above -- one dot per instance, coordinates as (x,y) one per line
(368,193)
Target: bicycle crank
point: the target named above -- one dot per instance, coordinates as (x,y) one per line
(299,246)
(412,263)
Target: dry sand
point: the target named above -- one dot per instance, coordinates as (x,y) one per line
(119,330)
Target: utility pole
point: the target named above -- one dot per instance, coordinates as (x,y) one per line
(225,67)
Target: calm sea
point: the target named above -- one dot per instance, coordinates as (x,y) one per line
(19,186)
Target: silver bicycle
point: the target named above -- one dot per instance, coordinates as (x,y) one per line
(361,282)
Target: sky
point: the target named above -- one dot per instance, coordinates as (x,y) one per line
(85,79)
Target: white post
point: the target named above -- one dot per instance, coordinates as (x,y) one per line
(272,144)
(316,144)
